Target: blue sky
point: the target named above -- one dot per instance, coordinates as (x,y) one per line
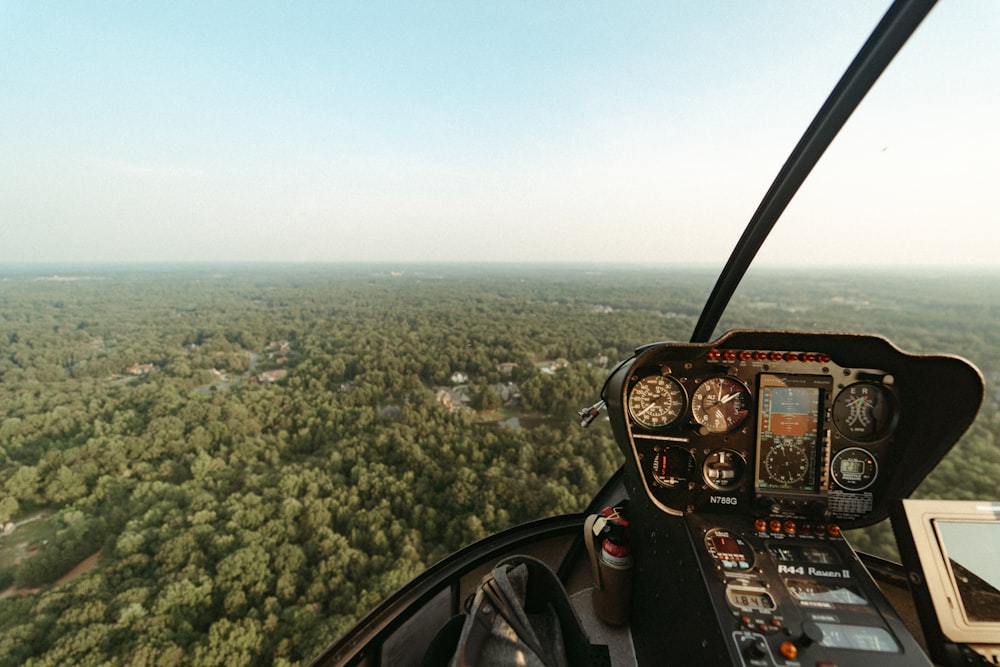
(509,131)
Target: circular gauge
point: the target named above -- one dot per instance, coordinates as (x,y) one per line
(672,466)
(786,463)
(854,469)
(720,404)
(656,401)
(723,469)
(863,411)
(728,549)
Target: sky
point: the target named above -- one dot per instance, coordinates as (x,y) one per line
(578,131)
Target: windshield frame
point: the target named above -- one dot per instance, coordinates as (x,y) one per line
(899,23)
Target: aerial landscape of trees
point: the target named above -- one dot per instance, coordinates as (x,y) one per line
(247,459)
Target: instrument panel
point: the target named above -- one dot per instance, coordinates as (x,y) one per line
(785,424)
(785,430)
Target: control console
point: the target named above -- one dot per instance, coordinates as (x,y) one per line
(745,459)
(788,592)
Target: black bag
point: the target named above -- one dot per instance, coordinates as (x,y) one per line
(521,615)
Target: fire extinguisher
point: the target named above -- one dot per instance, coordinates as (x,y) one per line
(606,536)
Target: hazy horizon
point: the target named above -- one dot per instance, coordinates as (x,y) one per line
(458,265)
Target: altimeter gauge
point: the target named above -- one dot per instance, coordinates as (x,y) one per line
(656,401)
(720,404)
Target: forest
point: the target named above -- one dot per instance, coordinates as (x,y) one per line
(228,465)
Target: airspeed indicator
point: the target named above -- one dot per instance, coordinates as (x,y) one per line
(656,401)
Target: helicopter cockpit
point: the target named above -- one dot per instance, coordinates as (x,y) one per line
(746,459)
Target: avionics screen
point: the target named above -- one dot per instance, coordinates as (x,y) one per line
(973,551)
(788,431)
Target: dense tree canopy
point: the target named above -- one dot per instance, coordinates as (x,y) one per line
(260,455)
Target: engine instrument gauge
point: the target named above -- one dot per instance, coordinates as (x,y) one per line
(672,466)
(863,411)
(656,401)
(720,404)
